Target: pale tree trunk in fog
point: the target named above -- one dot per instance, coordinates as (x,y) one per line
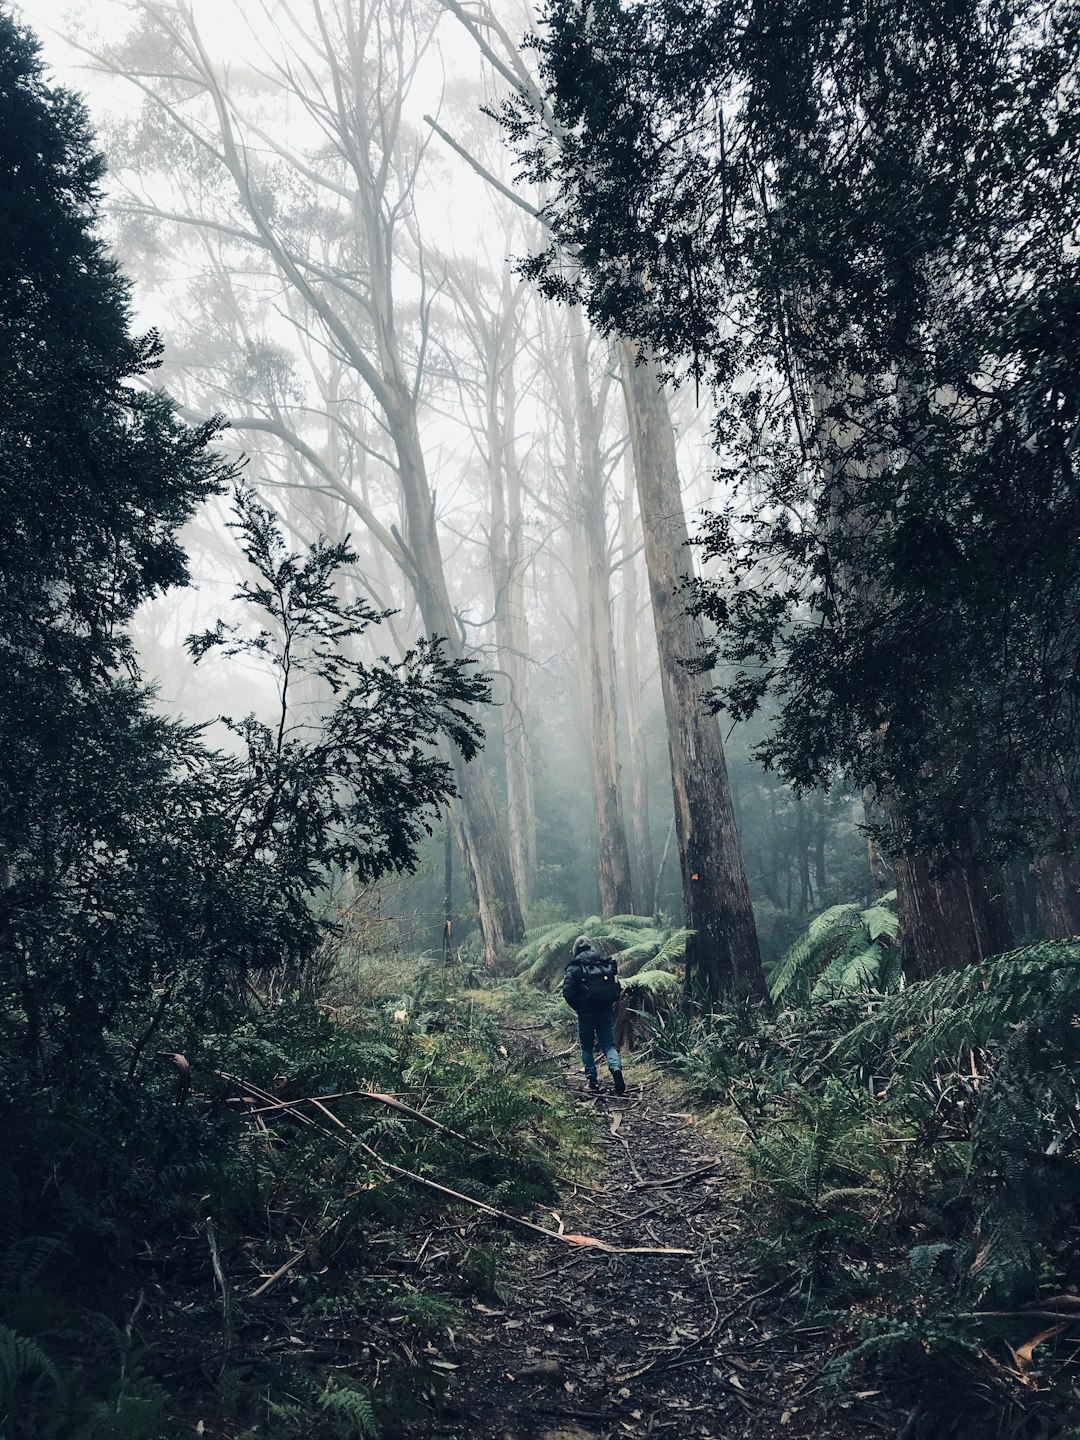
(486,851)
(596,636)
(517,725)
(351,84)
(495,330)
(722,955)
(644,867)
(597,642)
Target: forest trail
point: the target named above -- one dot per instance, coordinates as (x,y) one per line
(594,1344)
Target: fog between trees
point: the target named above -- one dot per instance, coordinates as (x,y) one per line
(326,228)
(319,207)
(474,475)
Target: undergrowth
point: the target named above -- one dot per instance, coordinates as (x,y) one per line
(257,1152)
(915,1174)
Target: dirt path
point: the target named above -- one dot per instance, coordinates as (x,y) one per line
(595,1344)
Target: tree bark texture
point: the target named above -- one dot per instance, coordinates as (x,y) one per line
(643,866)
(597,642)
(487,853)
(1057,896)
(955,918)
(722,955)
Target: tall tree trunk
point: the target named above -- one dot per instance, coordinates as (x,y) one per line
(487,853)
(873,854)
(1057,896)
(955,918)
(819,847)
(507,561)
(722,955)
(805,893)
(598,645)
(448,890)
(644,868)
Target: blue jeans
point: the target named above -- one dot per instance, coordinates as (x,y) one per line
(595,1029)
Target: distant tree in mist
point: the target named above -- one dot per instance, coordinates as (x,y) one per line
(722,956)
(146,878)
(321,211)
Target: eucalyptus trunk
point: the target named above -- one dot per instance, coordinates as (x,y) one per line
(506,554)
(486,852)
(954,918)
(598,645)
(722,956)
(643,864)
(1057,896)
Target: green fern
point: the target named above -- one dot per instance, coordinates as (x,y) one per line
(352,1407)
(844,950)
(22,1361)
(653,983)
(973,1005)
(660,952)
(637,941)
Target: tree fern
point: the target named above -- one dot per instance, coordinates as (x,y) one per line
(802,963)
(844,950)
(972,1005)
(636,957)
(653,983)
(634,938)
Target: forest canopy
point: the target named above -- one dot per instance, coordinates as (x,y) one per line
(853,226)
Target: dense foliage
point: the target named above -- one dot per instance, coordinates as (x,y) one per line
(112,1322)
(861,226)
(913,1166)
(165,905)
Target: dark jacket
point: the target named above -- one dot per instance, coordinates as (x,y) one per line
(574,988)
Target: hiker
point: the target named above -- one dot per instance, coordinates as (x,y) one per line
(591,987)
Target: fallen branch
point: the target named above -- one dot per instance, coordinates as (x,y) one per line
(389,1168)
(585,1241)
(381,1098)
(678,1179)
(283,1270)
(222,1284)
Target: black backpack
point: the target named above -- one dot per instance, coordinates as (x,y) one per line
(599,987)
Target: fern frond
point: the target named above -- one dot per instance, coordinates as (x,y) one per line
(634,938)
(653,982)
(804,959)
(857,967)
(636,957)
(881,924)
(21,1360)
(353,1404)
(973,1005)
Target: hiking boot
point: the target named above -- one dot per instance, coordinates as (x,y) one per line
(620,1083)
(594,1084)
